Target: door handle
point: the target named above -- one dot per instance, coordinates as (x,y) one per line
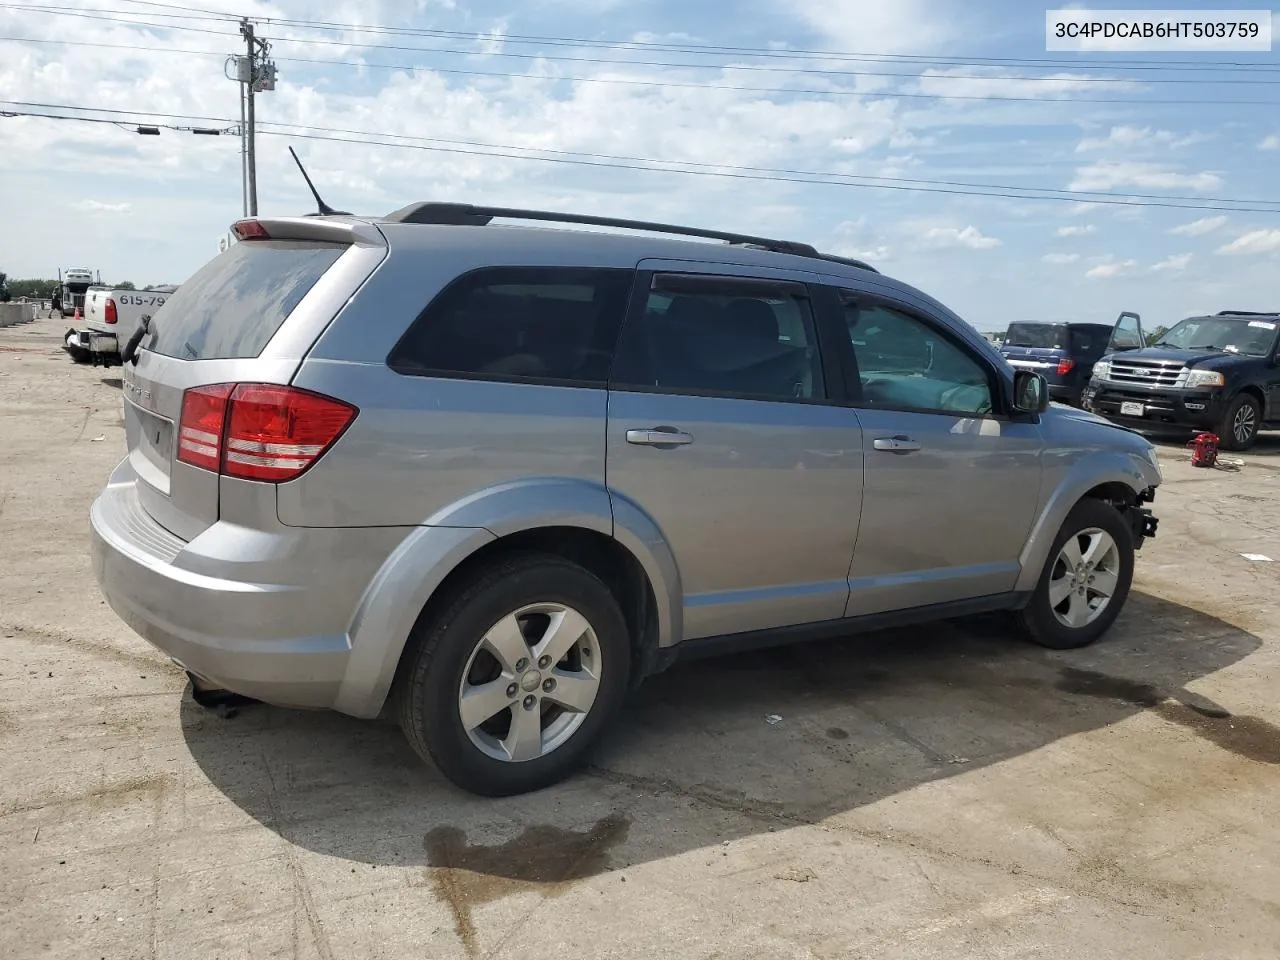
(659,437)
(896,444)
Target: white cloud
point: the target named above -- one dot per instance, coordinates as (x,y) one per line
(1198,228)
(1173,264)
(1079,231)
(1255,241)
(1060,259)
(972,81)
(1110,175)
(1128,137)
(97,206)
(951,237)
(877,254)
(1110,269)
(904,26)
(1270,143)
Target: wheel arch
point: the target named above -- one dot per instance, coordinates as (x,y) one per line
(1116,477)
(573,519)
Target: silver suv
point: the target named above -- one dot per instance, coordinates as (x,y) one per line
(486,478)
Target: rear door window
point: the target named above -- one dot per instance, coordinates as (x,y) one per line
(233,306)
(722,336)
(526,324)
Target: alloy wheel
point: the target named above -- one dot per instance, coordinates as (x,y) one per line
(530,682)
(1084,578)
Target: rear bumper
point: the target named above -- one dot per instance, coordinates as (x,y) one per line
(1189,409)
(283,643)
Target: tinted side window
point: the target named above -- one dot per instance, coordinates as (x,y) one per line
(233,305)
(722,337)
(1089,341)
(905,364)
(519,323)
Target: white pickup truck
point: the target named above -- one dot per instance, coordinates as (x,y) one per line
(111,317)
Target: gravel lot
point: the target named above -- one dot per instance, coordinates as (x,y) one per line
(941,792)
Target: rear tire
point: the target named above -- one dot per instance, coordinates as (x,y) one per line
(536,653)
(1239,427)
(1085,581)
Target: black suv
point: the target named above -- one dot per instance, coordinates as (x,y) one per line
(1218,373)
(1062,353)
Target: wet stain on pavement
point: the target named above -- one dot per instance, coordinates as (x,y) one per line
(542,859)
(1249,737)
(837,733)
(1088,683)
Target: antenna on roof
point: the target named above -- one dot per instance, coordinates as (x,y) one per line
(324,210)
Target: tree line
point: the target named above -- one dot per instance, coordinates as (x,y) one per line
(37,289)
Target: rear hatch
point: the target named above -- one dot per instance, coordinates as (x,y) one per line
(1037,346)
(248,316)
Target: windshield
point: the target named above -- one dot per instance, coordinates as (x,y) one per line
(1225,334)
(1049,336)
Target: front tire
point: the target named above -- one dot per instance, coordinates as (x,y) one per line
(1085,581)
(1239,428)
(510,686)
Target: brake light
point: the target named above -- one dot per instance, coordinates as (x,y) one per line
(1065,366)
(250,230)
(258,431)
(200,429)
(109,311)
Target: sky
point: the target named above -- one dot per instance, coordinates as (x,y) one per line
(863,127)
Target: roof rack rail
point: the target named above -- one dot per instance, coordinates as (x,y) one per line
(1246,313)
(469,215)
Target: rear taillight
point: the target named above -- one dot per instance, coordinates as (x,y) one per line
(200,429)
(109,311)
(1065,366)
(258,431)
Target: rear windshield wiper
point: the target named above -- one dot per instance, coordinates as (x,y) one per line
(130,352)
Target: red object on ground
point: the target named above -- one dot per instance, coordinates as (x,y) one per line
(1204,450)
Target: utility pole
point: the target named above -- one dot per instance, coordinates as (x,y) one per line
(256,74)
(250,155)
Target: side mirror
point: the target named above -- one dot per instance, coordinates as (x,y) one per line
(1030,392)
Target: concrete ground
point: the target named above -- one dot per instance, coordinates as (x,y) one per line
(941,792)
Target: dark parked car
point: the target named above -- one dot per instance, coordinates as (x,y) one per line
(1062,353)
(1219,373)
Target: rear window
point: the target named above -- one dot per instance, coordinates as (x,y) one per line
(1047,336)
(234,304)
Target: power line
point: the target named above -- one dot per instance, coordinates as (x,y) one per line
(762,68)
(122,124)
(125,113)
(85,15)
(1067,194)
(806,91)
(721,50)
(504,151)
(195,13)
(1078,198)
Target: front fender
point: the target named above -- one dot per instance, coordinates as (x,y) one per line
(1104,466)
(397,594)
